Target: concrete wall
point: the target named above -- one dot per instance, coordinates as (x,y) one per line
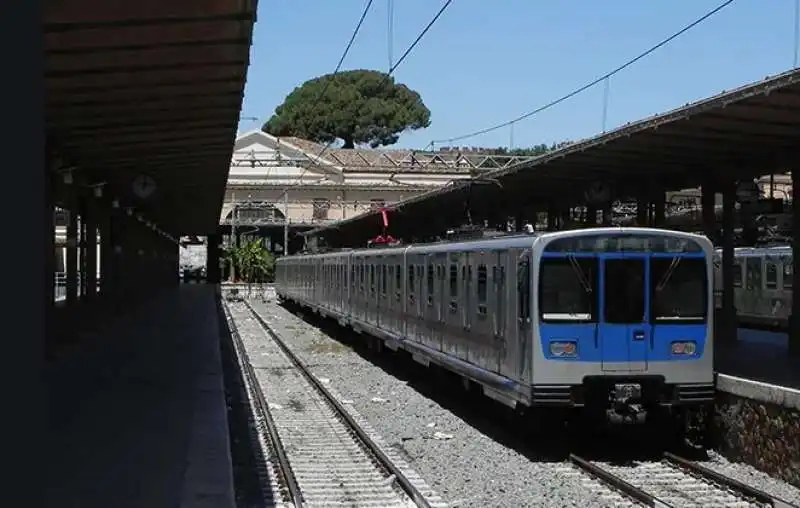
(759,424)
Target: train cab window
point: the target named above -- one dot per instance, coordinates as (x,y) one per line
(788,273)
(771,281)
(567,289)
(483,291)
(678,289)
(753,273)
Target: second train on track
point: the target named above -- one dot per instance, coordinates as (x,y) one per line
(614,321)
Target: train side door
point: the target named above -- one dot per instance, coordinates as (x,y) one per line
(500,315)
(464,278)
(429,308)
(440,300)
(372,297)
(452,319)
(625,332)
(411,297)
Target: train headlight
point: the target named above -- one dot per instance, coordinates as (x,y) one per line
(564,349)
(684,348)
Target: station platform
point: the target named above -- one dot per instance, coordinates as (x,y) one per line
(137,411)
(759,356)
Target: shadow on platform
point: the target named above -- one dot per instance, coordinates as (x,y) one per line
(137,413)
(761,356)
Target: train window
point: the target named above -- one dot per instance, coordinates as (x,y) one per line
(679,289)
(524,289)
(737,275)
(753,273)
(566,289)
(482,289)
(430,284)
(500,284)
(453,281)
(788,273)
(372,279)
(771,281)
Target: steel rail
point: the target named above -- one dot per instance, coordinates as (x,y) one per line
(289,479)
(367,441)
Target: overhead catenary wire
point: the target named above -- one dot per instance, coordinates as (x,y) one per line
(400,60)
(589,85)
(299,178)
(346,51)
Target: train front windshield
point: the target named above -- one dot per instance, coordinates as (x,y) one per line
(676,283)
(625,298)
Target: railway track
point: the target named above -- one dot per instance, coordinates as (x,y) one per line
(319,453)
(673,482)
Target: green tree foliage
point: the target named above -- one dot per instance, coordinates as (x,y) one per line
(252,262)
(358,107)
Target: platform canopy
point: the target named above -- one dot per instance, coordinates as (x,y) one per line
(747,132)
(146,96)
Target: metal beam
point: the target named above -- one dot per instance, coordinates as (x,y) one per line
(198,153)
(176,146)
(148,137)
(171,124)
(147,99)
(157,147)
(73,26)
(190,110)
(147,85)
(134,69)
(115,48)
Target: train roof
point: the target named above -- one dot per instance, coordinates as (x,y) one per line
(522,240)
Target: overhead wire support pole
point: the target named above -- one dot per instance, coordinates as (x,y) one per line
(796,31)
(390,30)
(592,83)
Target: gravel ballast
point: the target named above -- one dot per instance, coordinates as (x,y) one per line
(468,464)
(464,466)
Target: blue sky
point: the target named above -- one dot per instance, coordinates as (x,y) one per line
(485,62)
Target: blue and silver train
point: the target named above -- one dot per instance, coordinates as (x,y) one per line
(616,321)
